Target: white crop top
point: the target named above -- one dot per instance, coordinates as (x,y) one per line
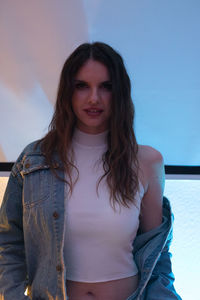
(98,241)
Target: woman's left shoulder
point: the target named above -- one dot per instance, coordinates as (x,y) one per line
(151,164)
(149,154)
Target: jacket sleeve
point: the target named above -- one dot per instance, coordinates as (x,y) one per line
(13,272)
(160,285)
(152,256)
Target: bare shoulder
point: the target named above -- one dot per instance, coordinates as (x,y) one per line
(149,154)
(151,163)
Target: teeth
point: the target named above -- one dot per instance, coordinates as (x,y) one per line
(94,110)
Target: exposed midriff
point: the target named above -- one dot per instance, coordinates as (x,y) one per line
(119,289)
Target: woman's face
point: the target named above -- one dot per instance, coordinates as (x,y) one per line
(92,96)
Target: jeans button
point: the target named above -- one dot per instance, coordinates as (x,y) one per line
(55,215)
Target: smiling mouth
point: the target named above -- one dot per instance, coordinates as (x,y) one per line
(93,112)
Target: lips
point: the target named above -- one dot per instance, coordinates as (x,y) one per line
(92,113)
(93,110)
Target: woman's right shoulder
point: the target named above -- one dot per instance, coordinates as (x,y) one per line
(33,147)
(31,152)
(30,149)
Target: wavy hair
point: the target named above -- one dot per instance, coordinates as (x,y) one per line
(120,161)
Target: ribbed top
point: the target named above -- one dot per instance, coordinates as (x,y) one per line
(98,240)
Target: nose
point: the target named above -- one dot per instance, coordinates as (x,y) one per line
(94,96)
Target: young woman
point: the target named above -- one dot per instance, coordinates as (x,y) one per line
(83,216)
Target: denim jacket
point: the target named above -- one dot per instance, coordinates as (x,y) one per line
(32,237)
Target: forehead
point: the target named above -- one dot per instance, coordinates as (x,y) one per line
(93,69)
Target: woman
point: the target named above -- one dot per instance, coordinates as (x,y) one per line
(77,198)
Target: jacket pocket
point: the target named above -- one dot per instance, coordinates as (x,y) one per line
(38,181)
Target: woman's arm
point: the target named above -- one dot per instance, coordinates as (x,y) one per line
(160,286)
(12,254)
(151,208)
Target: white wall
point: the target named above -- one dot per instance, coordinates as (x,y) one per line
(159,41)
(184,198)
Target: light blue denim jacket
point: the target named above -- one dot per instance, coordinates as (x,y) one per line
(32,235)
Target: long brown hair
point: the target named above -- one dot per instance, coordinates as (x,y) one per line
(120,161)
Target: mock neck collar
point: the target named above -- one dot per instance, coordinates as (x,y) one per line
(88,139)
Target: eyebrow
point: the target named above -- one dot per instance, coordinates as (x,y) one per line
(107,81)
(78,80)
(83,81)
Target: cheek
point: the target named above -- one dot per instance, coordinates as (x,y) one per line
(76,100)
(79,95)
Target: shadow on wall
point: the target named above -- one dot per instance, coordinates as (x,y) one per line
(36,37)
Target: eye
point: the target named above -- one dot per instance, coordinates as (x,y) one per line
(80,85)
(107,85)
